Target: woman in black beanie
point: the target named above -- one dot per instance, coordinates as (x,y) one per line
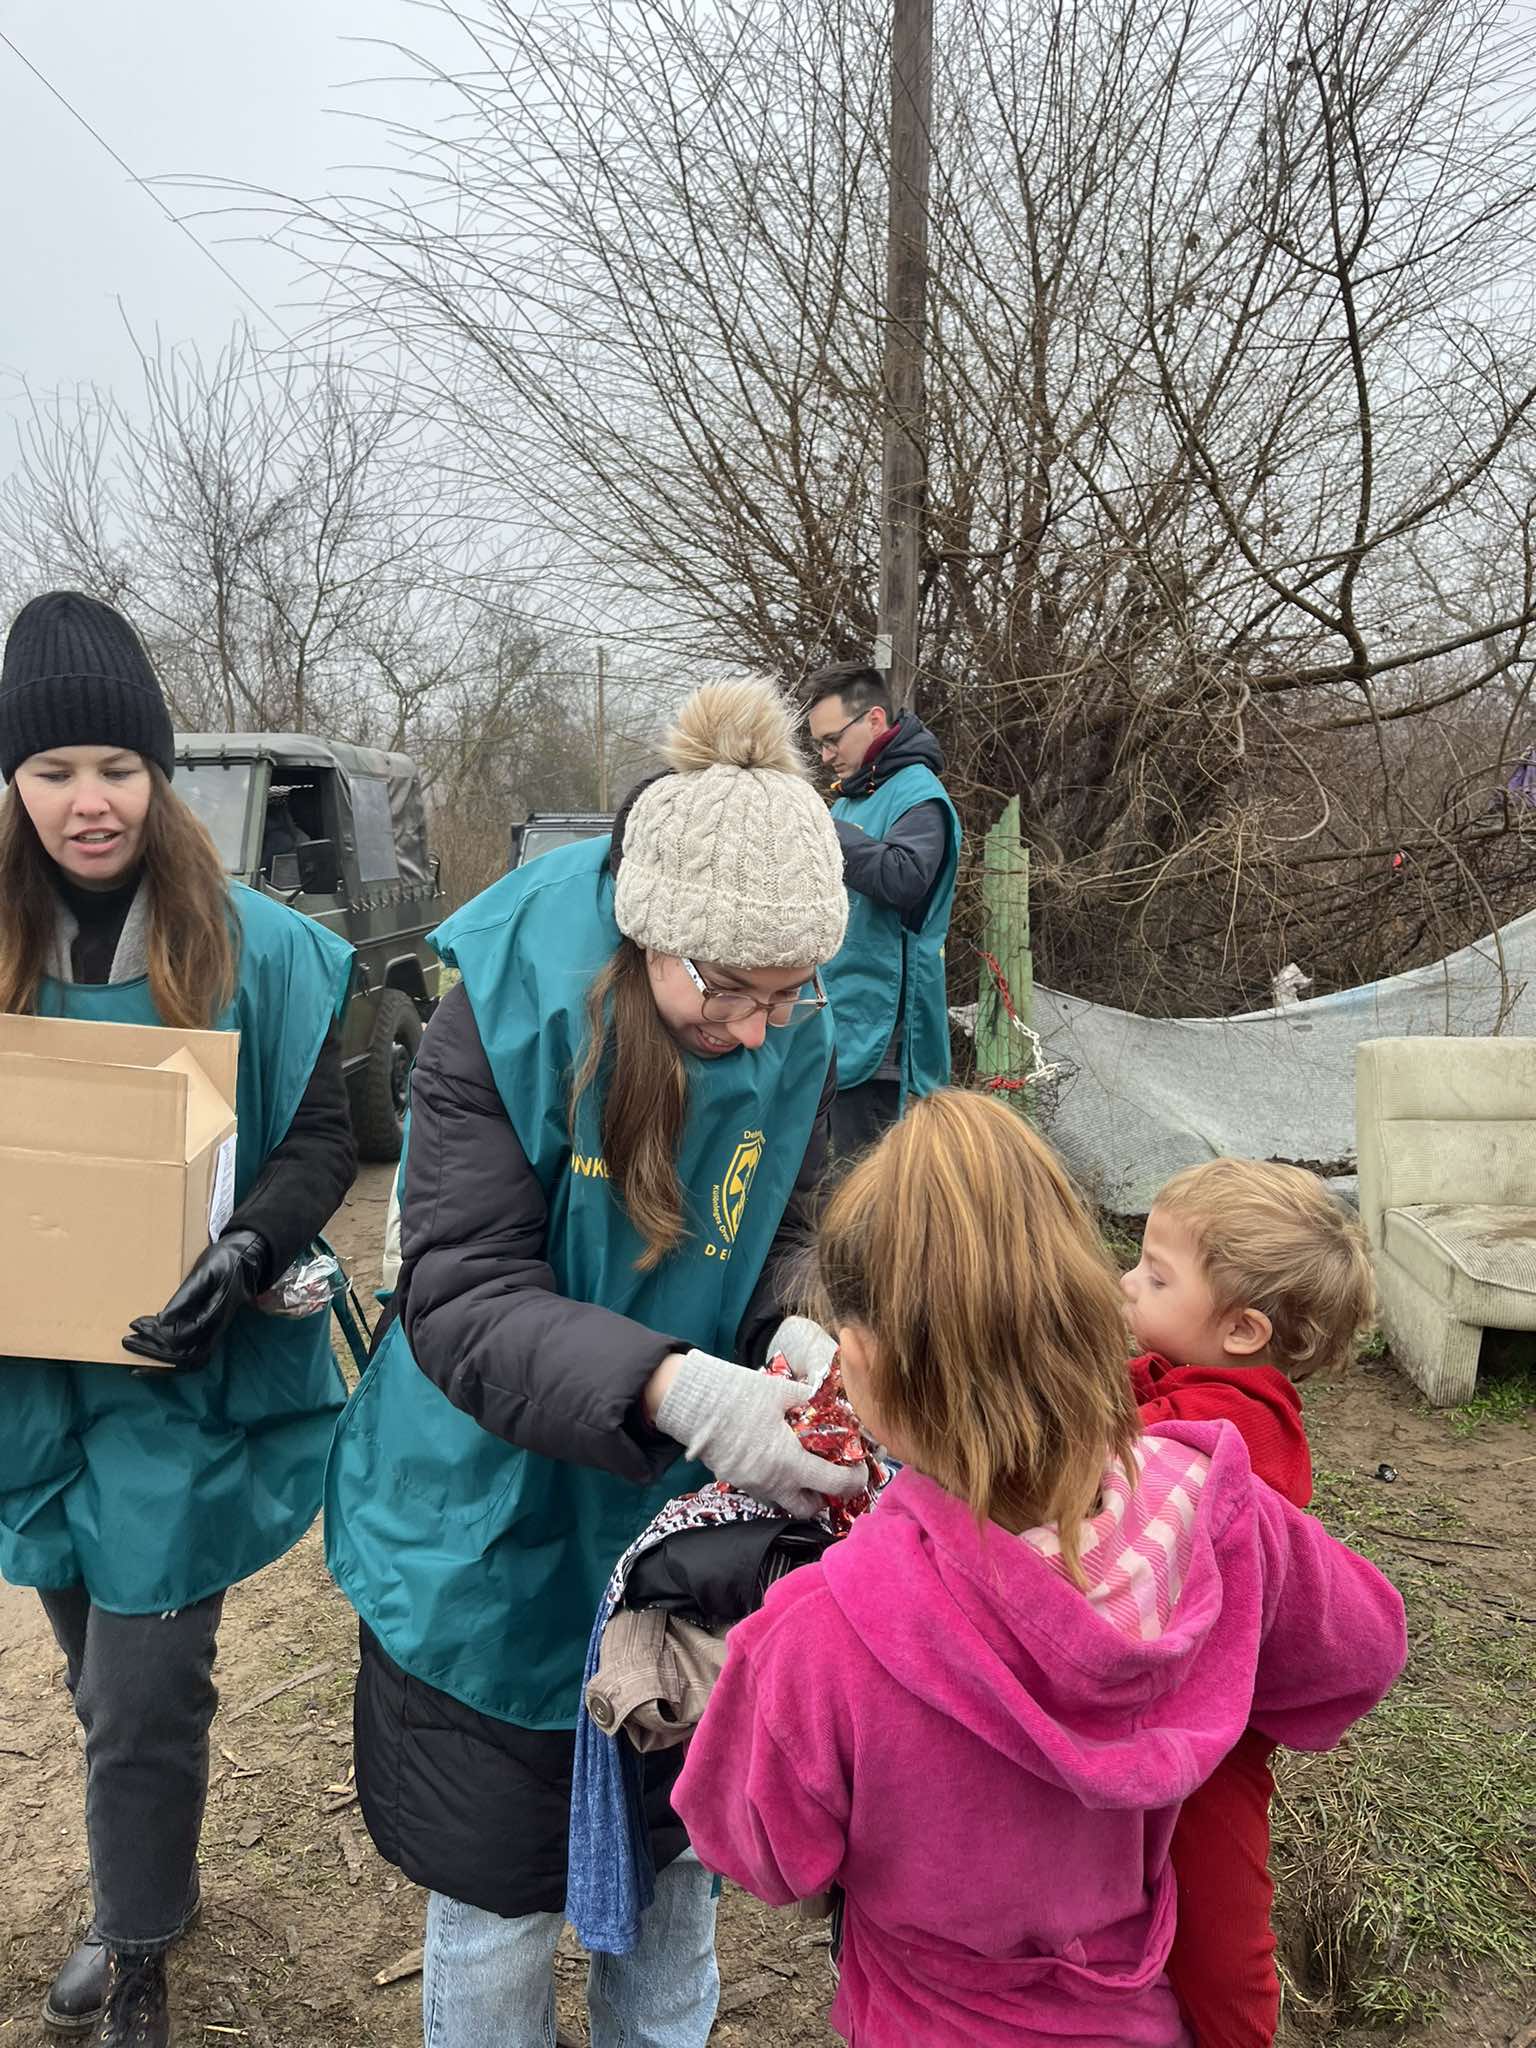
(132,1501)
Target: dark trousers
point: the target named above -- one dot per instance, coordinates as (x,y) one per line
(144,1694)
(861,1116)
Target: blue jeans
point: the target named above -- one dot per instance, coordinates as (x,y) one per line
(489,1982)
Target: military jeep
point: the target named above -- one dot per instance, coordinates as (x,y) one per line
(340,833)
(543,831)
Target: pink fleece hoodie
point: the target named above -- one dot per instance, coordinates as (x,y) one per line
(936,1719)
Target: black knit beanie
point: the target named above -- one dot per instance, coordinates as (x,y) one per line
(76,675)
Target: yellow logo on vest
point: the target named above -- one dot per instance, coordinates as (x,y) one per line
(729,1196)
(589,1166)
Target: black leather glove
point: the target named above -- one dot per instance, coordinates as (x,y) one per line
(187,1330)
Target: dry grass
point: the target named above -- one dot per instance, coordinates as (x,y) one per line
(1412,1849)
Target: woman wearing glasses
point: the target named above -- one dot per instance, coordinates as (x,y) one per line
(617,1126)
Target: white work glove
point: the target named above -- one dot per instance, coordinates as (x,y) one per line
(733,1421)
(806,1348)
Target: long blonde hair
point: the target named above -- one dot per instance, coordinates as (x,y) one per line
(636,1064)
(960,1245)
(192,938)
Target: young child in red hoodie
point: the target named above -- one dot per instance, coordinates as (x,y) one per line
(1252,1277)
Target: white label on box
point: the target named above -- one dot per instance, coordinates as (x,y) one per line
(221,1205)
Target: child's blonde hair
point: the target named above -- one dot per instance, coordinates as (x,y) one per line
(1000,1343)
(1273,1238)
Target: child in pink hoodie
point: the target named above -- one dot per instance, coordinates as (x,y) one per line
(978,1715)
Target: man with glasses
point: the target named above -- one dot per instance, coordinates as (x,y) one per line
(900,837)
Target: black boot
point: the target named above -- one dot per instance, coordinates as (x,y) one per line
(77,1997)
(137,2014)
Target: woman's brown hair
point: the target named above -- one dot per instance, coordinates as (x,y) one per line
(639,1070)
(999,1336)
(192,942)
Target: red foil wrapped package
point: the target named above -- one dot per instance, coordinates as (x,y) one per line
(828,1428)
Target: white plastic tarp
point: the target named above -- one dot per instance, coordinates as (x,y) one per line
(1145,1096)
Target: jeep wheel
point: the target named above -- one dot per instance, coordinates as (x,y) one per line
(380,1112)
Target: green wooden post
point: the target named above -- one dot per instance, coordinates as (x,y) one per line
(1002,1052)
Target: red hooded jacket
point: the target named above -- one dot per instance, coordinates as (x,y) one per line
(1257,1399)
(1222,1964)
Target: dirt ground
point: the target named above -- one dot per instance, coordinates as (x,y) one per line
(301,1917)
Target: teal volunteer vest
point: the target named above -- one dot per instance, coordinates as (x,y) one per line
(156,1492)
(881,954)
(479,1566)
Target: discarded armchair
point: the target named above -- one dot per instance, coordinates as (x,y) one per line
(1445,1132)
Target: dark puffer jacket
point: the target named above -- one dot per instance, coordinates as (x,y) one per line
(900,869)
(462,1803)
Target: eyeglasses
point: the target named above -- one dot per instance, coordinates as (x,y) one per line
(827,745)
(721,1006)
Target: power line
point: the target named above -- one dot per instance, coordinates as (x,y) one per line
(144,186)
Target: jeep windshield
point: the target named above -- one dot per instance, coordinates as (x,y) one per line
(545,838)
(220,793)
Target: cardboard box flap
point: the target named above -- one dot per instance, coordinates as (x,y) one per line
(92,1112)
(208,1116)
(129,1045)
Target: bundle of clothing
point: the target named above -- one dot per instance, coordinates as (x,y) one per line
(659,1639)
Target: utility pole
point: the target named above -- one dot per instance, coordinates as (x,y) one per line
(904,462)
(602,729)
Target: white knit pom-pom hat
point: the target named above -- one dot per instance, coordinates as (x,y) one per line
(733,858)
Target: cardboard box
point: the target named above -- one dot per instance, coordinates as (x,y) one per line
(117,1166)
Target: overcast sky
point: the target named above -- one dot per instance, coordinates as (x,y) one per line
(196,87)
